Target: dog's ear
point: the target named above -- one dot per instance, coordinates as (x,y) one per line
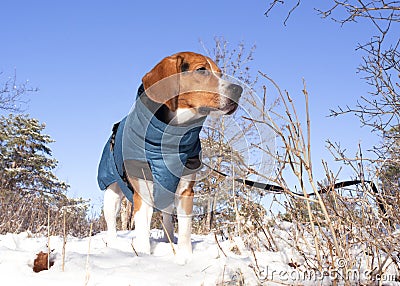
(162,82)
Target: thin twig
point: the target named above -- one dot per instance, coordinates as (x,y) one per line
(64,240)
(219,246)
(133,248)
(87,277)
(48,238)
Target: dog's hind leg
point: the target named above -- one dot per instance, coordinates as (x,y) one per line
(168,224)
(112,204)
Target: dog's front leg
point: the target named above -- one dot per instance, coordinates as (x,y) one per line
(143,211)
(184,211)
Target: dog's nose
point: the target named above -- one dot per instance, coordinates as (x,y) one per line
(235,91)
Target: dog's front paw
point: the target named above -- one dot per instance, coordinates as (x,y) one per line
(183,257)
(184,254)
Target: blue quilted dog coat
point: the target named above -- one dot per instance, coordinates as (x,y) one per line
(147,148)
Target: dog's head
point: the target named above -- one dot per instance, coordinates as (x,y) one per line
(190,81)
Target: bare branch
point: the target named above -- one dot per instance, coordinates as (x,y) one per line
(12,94)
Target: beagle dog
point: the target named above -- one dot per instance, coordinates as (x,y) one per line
(154,153)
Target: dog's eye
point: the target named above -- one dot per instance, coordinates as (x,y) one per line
(202,71)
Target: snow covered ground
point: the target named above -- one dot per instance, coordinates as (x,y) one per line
(115,266)
(119,265)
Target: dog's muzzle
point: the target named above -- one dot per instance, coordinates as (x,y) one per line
(230,102)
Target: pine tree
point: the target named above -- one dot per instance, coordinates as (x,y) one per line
(26,162)
(29,190)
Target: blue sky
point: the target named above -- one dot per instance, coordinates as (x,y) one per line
(88,58)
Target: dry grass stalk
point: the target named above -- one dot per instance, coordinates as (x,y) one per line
(64,240)
(133,248)
(48,238)
(219,245)
(87,276)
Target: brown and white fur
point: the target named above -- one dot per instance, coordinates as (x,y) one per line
(195,90)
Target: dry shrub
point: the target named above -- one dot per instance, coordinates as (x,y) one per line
(29,212)
(356,225)
(352,229)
